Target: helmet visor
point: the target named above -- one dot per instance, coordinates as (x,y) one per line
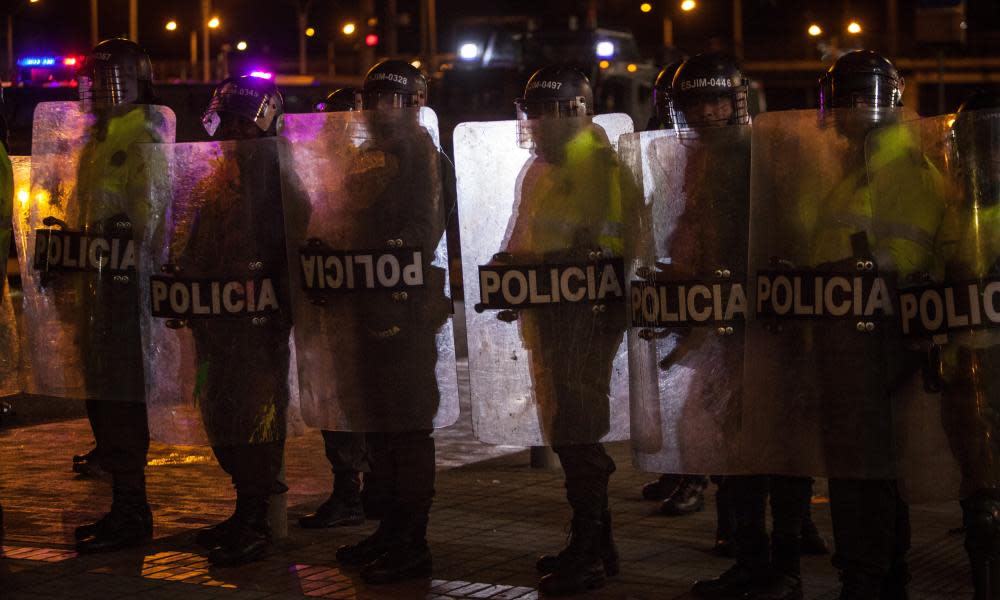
(106,84)
(259,107)
(711,109)
(374,100)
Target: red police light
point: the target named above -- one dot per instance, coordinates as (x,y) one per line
(371,40)
(69,61)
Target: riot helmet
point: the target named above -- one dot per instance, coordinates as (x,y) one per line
(243,107)
(709,90)
(555,92)
(861,79)
(552,93)
(341,100)
(117,71)
(663,97)
(975,148)
(394,84)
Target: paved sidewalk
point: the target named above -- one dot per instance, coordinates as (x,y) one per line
(492,517)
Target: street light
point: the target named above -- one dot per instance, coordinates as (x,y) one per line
(854,28)
(214,23)
(171,26)
(310,32)
(815,30)
(646,7)
(688,5)
(241,45)
(349,29)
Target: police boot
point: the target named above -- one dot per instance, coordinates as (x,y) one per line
(130,523)
(342,508)
(212,537)
(725,529)
(784,581)
(248,538)
(859,586)
(688,498)
(735,582)
(87,465)
(370,548)
(981,516)
(407,556)
(581,567)
(813,543)
(609,552)
(895,582)
(661,489)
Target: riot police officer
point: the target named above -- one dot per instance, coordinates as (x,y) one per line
(117,72)
(710,91)
(974,256)
(572,390)
(402,461)
(244,413)
(871,522)
(346,450)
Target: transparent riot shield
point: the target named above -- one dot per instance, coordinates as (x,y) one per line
(365,213)
(14,369)
(215,308)
(75,231)
(946,170)
(15,179)
(824,359)
(542,211)
(687,297)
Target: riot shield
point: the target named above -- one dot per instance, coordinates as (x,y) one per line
(687,297)
(542,207)
(18,172)
(215,308)
(365,216)
(75,232)
(825,360)
(948,312)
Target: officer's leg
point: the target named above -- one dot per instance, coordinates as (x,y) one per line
(212,537)
(812,542)
(88,463)
(864,515)
(748,496)
(382,469)
(981,517)
(894,585)
(788,506)
(725,517)
(122,434)
(348,456)
(255,470)
(407,556)
(591,554)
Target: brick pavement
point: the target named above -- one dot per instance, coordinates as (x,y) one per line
(491,518)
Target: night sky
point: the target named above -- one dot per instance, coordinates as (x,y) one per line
(773,28)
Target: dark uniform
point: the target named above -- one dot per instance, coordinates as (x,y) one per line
(710,91)
(242,367)
(117,72)
(346,451)
(400,362)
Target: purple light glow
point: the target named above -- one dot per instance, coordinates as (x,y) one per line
(261,74)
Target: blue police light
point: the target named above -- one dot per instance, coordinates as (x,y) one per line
(36,61)
(605,49)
